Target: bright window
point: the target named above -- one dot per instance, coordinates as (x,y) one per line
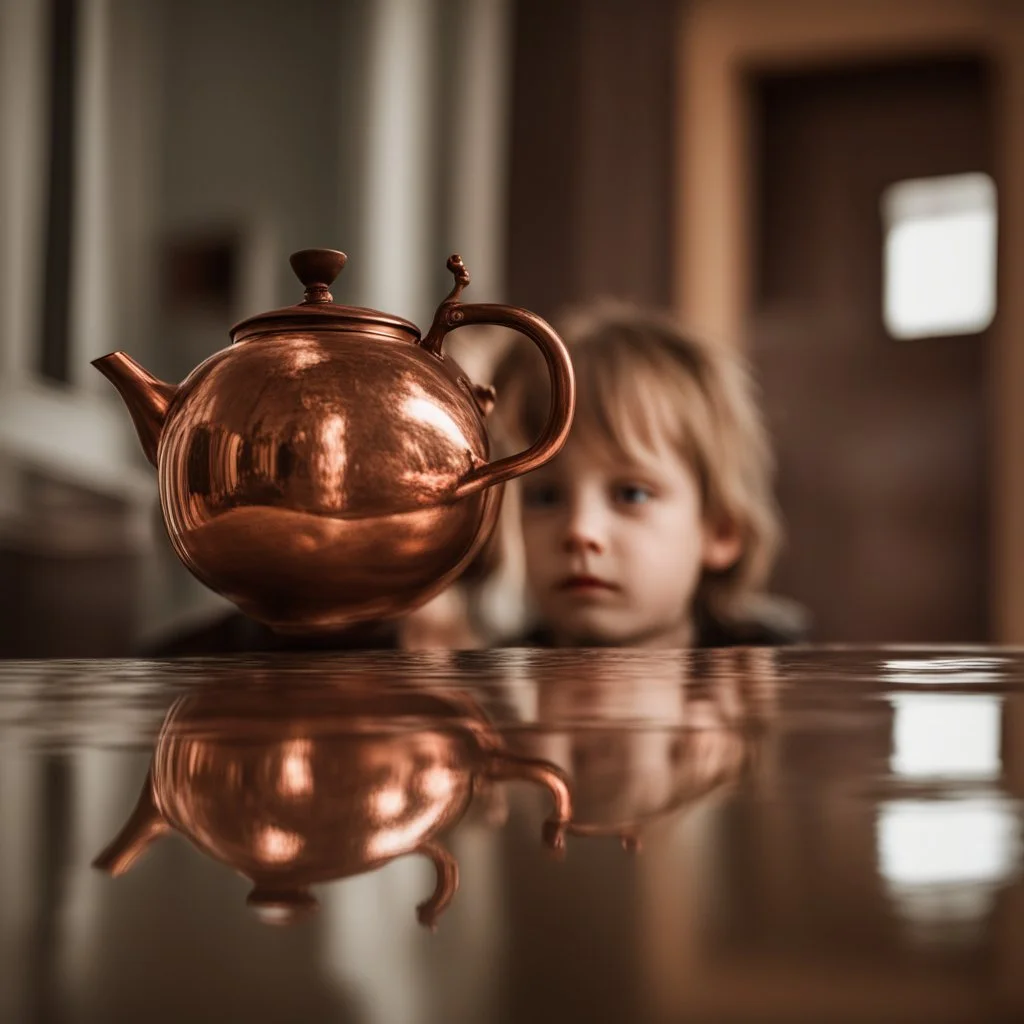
(940,256)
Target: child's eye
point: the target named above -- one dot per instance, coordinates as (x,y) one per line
(633,494)
(541,495)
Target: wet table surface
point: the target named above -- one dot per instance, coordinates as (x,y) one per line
(747,835)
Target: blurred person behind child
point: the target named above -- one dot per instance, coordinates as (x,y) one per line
(656,525)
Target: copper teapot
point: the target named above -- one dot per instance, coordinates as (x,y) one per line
(297,786)
(331,466)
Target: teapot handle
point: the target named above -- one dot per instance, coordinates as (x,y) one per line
(453,314)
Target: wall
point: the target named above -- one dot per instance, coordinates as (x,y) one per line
(591,162)
(251,146)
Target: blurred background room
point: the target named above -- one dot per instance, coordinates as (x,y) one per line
(837,188)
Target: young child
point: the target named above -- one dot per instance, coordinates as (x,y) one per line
(643,739)
(655,526)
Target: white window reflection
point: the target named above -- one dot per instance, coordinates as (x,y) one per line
(943,736)
(942,671)
(943,862)
(418,407)
(943,858)
(948,842)
(940,255)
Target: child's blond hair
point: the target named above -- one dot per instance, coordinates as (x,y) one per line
(640,378)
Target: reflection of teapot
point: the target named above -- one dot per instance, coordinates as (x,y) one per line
(332,466)
(292,787)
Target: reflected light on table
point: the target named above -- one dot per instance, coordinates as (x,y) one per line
(944,862)
(943,858)
(940,671)
(946,736)
(952,842)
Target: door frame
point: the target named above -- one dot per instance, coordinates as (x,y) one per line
(720,42)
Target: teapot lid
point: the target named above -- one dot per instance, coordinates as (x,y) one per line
(317,269)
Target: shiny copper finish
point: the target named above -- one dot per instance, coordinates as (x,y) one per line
(330,466)
(293,786)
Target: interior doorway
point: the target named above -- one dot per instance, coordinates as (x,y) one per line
(881,441)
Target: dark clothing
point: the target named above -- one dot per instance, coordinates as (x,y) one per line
(235,633)
(711,632)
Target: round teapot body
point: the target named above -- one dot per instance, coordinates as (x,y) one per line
(298,809)
(292,783)
(309,477)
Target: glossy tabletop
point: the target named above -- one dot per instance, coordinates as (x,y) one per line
(744,835)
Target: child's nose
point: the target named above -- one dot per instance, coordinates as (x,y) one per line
(585,530)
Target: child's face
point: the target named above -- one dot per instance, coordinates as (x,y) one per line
(615,548)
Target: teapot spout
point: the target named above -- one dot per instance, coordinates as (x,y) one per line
(147,397)
(145,824)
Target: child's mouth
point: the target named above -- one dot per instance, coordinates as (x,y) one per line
(585,584)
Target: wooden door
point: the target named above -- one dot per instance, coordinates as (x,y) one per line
(881,443)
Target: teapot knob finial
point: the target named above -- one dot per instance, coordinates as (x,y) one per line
(317,269)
